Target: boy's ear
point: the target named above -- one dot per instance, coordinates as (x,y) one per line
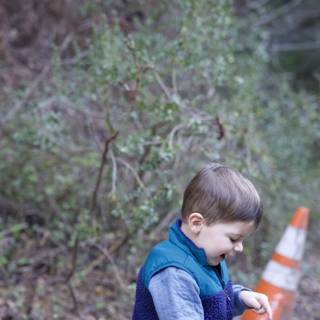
(196,222)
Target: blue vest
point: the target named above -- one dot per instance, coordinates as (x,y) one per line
(178,251)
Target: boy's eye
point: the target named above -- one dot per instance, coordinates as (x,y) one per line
(233,240)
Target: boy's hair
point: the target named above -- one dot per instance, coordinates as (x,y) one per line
(222,194)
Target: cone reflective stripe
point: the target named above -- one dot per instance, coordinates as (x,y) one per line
(281,276)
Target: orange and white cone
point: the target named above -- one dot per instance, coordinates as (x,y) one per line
(281,276)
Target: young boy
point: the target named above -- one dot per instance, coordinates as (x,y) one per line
(186,277)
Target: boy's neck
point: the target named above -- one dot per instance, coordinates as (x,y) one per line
(186,230)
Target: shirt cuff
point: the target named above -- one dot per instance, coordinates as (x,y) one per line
(239,305)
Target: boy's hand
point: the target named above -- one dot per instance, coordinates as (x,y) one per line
(258,302)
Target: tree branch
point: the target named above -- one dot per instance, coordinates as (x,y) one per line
(278,12)
(98,182)
(302,46)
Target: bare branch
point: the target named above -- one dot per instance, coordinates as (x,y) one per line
(107,254)
(172,133)
(28,93)
(165,222)
(172,97)
(98,182)
(74,260)
(71,273)
(74,299)
(174,81)
(277,13)
(134,172)
(257,4)
(302,46)
(114,171)
(163,86)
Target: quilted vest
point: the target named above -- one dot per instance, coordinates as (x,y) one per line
(178,251)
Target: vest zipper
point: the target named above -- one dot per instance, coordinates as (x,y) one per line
(223,285)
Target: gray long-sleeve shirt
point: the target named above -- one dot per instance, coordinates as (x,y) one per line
(175,295)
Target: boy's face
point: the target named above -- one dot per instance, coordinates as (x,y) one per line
(222,239)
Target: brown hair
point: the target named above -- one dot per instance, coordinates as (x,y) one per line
(222,194)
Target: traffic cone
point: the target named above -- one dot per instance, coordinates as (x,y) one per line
(280,278)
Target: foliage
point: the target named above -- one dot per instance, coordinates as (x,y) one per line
(186,84)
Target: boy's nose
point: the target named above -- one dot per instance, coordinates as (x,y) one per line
(238,247)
